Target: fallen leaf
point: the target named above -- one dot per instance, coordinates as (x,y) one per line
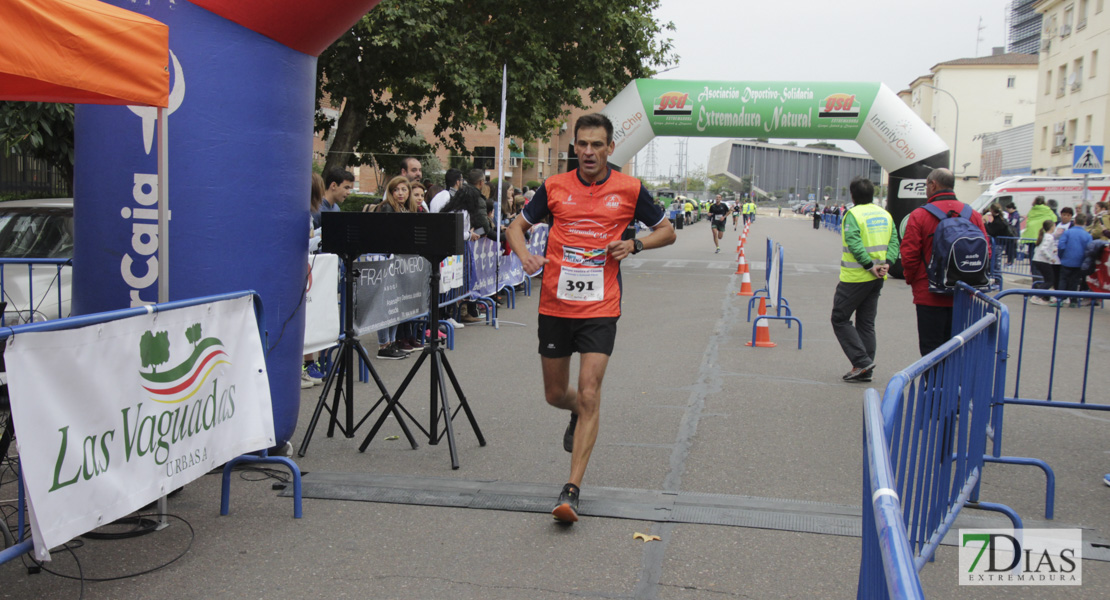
(392,437)
(645,537)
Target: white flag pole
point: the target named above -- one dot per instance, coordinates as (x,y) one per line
(501,177)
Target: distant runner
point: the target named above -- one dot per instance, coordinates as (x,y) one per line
(735,214)
(718,213)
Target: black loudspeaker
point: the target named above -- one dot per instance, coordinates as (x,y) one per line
(427,234)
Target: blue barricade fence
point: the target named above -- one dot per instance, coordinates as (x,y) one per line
(831,221)
(35,289)
(774,294)
(1042,362)
(1012,256)
(25,544)
(934,417)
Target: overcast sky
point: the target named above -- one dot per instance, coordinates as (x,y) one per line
(892,41)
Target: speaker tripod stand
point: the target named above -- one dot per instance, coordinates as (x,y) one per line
(440,405)
(341,374)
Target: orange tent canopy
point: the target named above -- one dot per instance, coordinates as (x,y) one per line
(83,52)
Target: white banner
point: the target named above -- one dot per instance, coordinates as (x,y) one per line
(451,273)
(321,309)
(115,415)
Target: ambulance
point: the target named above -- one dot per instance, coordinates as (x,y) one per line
(1022,190)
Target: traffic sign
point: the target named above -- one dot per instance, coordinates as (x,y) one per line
(1087,159)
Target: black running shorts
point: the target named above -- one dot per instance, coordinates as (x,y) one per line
(561,336)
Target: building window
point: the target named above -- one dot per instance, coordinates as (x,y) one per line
(1047,82)
(1073,125)
(1077,75)
(1094,63)
(1082,22)
(1044,137)
(1011,81)
(1087,123)
(1065,28)
(1061,81)
(1007,120)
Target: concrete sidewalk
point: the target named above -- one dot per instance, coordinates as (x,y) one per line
(745,462)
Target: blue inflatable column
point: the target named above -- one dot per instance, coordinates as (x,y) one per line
(240,151)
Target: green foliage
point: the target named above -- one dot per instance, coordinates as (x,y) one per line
(154,349)
(533,184)
(41,130)
(193,333)
(355,202)
(823,146)
(720,184)
(404,60)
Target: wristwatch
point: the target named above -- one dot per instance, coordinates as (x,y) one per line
(637,245)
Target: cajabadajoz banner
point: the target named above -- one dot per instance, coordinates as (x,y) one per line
(537,241)
(493,270)
(240,119)
(115,415)
(390,292)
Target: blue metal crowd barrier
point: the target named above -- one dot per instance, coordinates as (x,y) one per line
(886,559)
(1013,256)
(1054,358)
(19,279)
(25,544)
(831,221)
(935,415)
(780,304)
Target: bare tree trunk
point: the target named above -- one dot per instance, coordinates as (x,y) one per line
(352,120)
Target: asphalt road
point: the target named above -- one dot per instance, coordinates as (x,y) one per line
(687,412)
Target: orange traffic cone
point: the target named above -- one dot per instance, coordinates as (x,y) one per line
(762,331)
(746,286)
(742,264)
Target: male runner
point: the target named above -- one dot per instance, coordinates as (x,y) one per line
(580,298)
(718,212)
(735,214)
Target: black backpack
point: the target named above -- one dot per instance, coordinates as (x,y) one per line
(960,252)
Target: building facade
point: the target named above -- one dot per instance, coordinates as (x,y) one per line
(965,98)
(1023,28)
(1073,88)
(1006,153)
(525,160)
(778,168)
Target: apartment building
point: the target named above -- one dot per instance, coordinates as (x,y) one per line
(965,98)
(1073,88)
(525,160)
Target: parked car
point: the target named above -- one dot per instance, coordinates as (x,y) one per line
(34,229)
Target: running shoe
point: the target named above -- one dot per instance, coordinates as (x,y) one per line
(467,319)
(568,435)
(315,372)
(1106,479)
(306,381)
(566,508)
(858,373)
(717,251)
(454,323)
(391,352)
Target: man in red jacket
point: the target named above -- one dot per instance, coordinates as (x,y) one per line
(934,311)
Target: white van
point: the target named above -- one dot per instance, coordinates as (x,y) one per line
(1022,190)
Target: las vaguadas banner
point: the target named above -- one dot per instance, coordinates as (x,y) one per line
(113,416)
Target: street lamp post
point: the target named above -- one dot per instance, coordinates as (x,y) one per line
(956,132)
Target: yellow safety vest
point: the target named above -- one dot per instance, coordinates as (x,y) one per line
(875,228)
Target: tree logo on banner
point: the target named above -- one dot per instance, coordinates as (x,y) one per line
(183,381)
